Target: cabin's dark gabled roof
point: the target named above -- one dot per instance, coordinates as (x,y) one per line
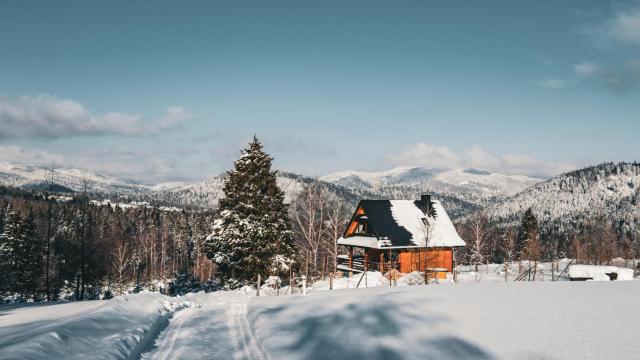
(384,225)
(404,223)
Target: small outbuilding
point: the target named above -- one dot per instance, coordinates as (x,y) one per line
(405,235)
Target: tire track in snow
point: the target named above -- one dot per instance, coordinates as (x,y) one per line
(246,344)
(167,346)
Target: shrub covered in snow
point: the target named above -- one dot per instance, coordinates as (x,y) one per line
(182,285)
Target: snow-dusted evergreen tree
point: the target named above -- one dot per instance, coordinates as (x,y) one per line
(529,237)
(252,234)
(21,253)
(10,231)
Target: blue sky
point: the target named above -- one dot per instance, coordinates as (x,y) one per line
(158,91)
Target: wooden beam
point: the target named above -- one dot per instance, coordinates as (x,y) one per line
(366,267)
(366,260)
(381,262)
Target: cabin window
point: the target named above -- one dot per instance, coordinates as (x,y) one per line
(362,228)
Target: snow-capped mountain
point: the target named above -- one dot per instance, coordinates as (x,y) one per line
(469,184)
(35,177)
(610,191)
(207,194)
(462,190)
(200,195)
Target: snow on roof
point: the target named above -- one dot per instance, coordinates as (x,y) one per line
(410,217)
(360,241)
(403,224)
(442,231)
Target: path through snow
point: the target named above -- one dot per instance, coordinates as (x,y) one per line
(215,327)
(247,345)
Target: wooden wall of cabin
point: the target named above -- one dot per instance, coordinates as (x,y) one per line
(420,260)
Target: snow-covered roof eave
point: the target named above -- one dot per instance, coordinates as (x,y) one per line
(374,243)
(360,241)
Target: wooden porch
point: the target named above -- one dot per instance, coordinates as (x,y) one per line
(402,260)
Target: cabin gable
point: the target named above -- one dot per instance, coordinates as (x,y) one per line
(359,224)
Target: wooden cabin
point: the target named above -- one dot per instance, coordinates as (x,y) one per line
(406,235)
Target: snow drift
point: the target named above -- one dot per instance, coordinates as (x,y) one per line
(599,273)
(120,328)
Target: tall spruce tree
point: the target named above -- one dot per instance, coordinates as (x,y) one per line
(528,237)
(252,234)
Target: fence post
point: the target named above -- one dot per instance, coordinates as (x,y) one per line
(506,271)
(304,285)
(331,281)
(366,268)
(258,286)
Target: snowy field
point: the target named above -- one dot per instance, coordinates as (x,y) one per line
(484,320)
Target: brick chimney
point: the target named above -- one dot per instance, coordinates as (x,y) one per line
(425,200)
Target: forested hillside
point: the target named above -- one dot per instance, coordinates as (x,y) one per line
(581,208)
(52,248)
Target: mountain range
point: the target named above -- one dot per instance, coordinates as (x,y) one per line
(563,202)
(464,190)
(473,185)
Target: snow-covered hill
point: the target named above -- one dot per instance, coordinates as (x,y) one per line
(463,190)
(200,195)
(471,185)
(206,194)
(35,177)
(575,198)
(477,320)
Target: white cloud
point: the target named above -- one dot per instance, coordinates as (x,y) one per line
(529,165)
(427,155)
(615,77)
(147,165)
(45,116)
(175,115)
(441,157)
(553,83)
(478,158)
(586,69)
(625,26)
(14,153)
(543,59)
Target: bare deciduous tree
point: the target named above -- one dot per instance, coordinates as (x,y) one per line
(478,230)
(318,220)
(508,246)
(309,214)
(337,217)
(121,262)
